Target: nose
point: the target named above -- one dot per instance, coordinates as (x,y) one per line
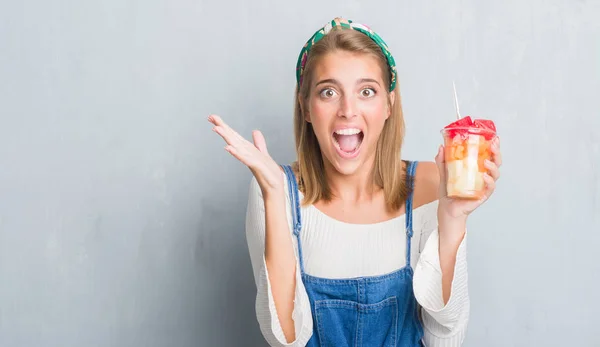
(347,107)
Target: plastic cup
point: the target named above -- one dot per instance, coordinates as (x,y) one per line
(465,151)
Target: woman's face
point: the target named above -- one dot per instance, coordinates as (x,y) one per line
(347,107)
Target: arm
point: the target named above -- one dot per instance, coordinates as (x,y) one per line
(282,305)
(440,280)
(451,231)
(444,321)
(441,276)
(280,259)
(451,235)
(452,213)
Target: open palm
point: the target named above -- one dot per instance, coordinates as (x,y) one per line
(254,155)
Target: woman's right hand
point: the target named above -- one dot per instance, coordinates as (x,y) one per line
(271,225)
(255,156)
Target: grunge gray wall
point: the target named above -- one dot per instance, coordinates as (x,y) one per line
(122,217)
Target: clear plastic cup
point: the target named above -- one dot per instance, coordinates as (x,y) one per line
(465,151)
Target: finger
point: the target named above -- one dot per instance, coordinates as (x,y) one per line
(226,135)
(221,127)
(494,171)
(227,130)
(235,153)
(214,119)
(497,155)
(440,162)
(490,186)
(238,155)
(259,141)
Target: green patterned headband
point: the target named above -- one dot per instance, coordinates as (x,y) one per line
(345,24)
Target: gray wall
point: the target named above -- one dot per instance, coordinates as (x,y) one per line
(122,217)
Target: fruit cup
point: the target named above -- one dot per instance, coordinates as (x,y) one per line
(467,144)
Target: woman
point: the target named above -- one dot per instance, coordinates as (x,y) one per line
(334,237)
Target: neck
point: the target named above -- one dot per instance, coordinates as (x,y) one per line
(356,187)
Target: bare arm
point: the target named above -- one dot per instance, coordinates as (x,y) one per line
(451,233)
(280,260)
(453,213)
(451,230)
(279,252)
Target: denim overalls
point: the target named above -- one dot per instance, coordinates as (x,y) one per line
(372,311)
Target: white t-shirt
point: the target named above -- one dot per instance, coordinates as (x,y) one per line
(334,249)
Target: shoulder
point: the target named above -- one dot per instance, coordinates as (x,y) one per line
(427,183)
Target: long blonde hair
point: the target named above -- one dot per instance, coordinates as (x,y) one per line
(388,172)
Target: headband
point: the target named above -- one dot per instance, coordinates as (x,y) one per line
(345,24)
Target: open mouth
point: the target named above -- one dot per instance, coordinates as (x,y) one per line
(348,141)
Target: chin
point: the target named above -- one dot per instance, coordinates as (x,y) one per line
(347,168)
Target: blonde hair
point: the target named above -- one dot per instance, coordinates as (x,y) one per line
(388,172)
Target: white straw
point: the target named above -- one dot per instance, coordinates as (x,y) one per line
(456,101)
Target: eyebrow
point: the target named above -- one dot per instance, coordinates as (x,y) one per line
(334,81)
(367,80)
(329,80)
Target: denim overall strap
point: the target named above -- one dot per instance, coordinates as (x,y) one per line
(410,179)
(295,206)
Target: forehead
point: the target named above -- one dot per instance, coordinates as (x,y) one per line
(348,67)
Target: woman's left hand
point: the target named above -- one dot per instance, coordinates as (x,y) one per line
(457,208)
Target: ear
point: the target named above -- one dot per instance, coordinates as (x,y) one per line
(306,114)
(392,100)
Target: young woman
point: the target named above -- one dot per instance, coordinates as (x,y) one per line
(351,245)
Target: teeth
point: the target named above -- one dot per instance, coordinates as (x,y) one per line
(349,131)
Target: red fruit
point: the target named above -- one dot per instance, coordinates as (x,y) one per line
(463,122)
(484,124)
(487,125)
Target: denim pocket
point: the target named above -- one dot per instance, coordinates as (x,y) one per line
(348,323)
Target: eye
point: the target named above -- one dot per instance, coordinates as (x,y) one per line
(367,92)
(327,93)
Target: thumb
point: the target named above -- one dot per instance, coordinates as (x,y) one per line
(259,141)
(441,164)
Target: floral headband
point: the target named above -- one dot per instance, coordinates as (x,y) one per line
(345,24)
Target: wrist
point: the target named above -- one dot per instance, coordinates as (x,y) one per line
(273,194)
(451,228)
(447,218)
